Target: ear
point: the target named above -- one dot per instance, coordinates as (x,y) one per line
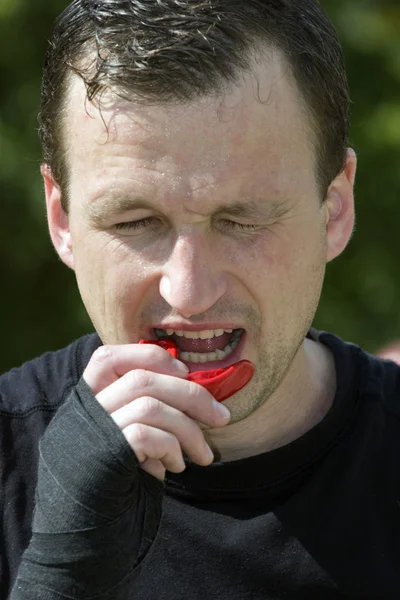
(57,218)
(339,204)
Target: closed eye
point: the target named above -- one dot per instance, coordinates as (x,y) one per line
(227,224)
(135,225)
(224,224)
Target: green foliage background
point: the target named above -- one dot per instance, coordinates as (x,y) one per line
(40,307)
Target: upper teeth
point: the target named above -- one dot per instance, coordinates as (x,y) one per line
(196,335)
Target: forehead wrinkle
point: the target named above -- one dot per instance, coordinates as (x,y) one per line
(109,206)
(253,208)
(187,163)
(258,208)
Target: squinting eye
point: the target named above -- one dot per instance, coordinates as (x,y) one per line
(141,224)
(226,224)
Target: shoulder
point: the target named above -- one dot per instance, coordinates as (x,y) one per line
(44,382)
(375,380)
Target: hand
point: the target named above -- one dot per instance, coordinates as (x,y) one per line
(147,394)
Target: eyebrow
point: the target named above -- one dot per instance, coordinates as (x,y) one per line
(109,207)
(255,208)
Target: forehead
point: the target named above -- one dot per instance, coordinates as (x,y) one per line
(255,132)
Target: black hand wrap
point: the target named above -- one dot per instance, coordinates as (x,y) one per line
(96,512)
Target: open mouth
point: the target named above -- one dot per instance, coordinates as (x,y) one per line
(210,348)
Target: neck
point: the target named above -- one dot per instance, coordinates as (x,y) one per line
(301,401)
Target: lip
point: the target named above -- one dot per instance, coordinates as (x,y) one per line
(233,358)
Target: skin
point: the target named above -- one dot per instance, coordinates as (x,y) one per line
(189,266)
(391,352)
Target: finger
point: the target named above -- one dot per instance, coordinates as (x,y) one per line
(186,396)
(109,363)
(154,468)
(151,443)
(154,413)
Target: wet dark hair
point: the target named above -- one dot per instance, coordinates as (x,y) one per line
(171,51)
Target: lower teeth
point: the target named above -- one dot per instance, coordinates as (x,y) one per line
(201,357)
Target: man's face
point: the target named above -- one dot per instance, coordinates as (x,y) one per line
(201,216)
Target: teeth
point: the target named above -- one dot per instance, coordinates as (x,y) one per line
(204,357)
(192,335)
(198,357)
(207,334)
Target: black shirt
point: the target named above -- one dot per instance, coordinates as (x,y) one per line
(316,519)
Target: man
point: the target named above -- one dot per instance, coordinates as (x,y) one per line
(198,181)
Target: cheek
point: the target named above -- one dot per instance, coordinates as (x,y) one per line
(105,271)
(304,269)
(286,268)
(113,286)
(265,261)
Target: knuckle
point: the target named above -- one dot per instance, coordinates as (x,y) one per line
(138,435)
(138,379)
(194,390)
(101,354)
(153,353)
(151,407)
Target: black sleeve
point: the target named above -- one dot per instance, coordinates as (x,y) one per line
(96,514)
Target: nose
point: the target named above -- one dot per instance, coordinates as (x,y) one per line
(192,281)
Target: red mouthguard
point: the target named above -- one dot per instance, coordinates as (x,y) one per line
(221,383)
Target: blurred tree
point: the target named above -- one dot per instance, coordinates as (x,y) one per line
(40,305)
(362,290)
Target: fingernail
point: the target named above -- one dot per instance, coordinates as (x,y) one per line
(221,410)
(210,452)
(180,366)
